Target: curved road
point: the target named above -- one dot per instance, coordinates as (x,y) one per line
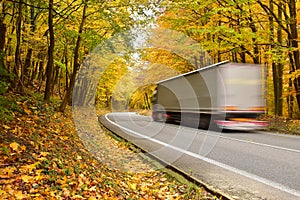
(242,165)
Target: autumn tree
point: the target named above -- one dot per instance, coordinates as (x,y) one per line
(246,31)
(2,35)
(76,63)
(49,69)
(287,27)
(43,44)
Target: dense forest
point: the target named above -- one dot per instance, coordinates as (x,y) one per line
(44,43)
(263,32)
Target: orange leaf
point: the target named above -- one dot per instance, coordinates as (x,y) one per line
(23,148)
(28,112)
(19,195)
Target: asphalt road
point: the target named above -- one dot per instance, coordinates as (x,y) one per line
(242,165)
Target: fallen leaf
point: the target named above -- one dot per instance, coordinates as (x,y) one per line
(6,127)
(28,112)
(7,172)
(64,138)
(28,168)
(92,189)
(26,178)
(23,148)
(2,193)
(44,154)
(19,195)
(133,186)
(14,146)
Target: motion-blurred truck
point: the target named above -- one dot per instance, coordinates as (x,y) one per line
(225,95)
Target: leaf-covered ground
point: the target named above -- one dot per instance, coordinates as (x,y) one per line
(42,157)
(282,125)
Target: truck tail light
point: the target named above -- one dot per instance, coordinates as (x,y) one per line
(258,108)
(242,119)
(230,108)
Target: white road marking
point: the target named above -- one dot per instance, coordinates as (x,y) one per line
(256,143)
(252,142)
(247,141)
(219,164)
(262,144)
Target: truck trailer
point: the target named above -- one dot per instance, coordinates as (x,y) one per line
(225,95)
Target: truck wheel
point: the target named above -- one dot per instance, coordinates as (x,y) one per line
(204,121)
(161,116)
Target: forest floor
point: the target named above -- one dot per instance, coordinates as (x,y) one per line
(283,125)
(43,157)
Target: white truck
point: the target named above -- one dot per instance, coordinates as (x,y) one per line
(229,95)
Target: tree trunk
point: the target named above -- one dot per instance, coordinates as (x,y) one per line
(2,42)
(56,74)
(148,106)
(279,65)
(28,63)
(2,36)
(274,76)
(17,66)
(40,67)
(68,95)
(276,67)
(34,71)
(254,39)
(49,69)
(294,44)
(67,71)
